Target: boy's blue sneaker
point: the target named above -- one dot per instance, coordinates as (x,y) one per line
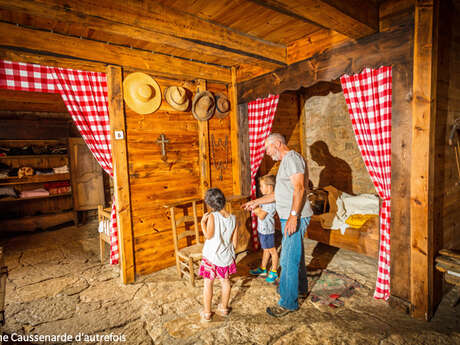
(258,272)
(272,276)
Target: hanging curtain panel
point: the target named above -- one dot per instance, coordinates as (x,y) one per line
(261,113)
(85,96)
(368,96)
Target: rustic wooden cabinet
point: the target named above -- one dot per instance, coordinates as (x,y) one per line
(87,181)
(38,212)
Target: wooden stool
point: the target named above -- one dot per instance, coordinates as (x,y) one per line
(190,256)
(448,262)
(103,215)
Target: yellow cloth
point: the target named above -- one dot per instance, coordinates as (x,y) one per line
(357,220)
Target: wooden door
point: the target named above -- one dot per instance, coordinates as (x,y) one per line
(86,174)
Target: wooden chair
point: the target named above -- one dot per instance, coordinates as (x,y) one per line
(189,257)
(103,215)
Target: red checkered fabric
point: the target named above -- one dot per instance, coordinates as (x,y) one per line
(85,96)
(368,97)
(261,113)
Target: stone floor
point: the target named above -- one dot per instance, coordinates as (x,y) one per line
(57,286)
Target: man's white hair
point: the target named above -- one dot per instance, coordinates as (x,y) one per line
(275,137)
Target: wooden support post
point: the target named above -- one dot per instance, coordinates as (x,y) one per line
(120,168)
(235,135)
(422,166)
(303,137)
(203,141)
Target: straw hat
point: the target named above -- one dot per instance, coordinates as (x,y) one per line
(142,93)
(203,106)
(176,96)
(222,105)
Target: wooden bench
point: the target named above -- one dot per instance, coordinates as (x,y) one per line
(448,262)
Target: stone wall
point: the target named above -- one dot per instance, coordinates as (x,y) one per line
(334,157)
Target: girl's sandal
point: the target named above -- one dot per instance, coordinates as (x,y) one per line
(205,317)
(222,311)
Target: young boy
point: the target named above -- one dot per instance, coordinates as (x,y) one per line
(266,230)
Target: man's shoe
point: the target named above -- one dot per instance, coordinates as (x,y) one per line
(258,272)
(278,311)
(271,278)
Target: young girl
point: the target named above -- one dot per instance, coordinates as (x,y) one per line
(266,230)
(220,231)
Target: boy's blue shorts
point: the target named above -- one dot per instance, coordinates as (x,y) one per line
(267,241)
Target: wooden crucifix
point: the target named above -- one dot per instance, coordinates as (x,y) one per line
(162,141)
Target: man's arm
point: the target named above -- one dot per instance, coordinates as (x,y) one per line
(298,183)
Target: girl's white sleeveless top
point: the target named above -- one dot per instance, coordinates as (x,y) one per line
(219,249)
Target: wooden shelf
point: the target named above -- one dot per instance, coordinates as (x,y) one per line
(33,156)
(32,223)
(35,197)
(34,179)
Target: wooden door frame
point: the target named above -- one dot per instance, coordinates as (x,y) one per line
(422,165)
(120,172)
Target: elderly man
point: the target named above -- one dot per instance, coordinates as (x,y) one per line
(294,211)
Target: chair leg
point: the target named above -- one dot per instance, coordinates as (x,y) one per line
(178,266)
(101,249)
(192,271)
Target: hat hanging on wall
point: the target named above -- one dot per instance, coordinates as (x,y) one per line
(203,105)
(222,105)
(176,96)
(142,93)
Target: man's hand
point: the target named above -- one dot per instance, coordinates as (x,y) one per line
(291,225)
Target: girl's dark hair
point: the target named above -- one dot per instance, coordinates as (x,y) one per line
(215,199)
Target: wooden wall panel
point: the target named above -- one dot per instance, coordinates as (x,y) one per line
(154,182)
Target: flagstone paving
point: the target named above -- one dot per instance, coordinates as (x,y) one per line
(57,285)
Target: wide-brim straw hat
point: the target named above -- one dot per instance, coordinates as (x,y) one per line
(203,105)
(176,96)
(222,105)
(142,93)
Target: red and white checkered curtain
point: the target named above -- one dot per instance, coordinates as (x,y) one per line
(368,97)
(261,113)
(85,96)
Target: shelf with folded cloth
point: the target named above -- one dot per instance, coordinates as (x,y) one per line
(14,180)
(11,199)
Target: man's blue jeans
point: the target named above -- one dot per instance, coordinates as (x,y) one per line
(293,278)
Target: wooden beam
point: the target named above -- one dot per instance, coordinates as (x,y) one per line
(121,176)
(315,43)
(235,135)
(203,142)
(163,42)
(46,59)
(352,18)
(162,19)
(245,174)
(13,36)
(422,166)
(385,48)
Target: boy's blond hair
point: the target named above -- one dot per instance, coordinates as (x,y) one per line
(269,180)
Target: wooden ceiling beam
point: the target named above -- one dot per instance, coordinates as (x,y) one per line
(315,43)
(158,64)
(352,18)
(163,42)
(160,19)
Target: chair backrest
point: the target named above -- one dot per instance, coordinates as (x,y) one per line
(177,221)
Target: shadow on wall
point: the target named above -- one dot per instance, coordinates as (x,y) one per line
(336,171)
